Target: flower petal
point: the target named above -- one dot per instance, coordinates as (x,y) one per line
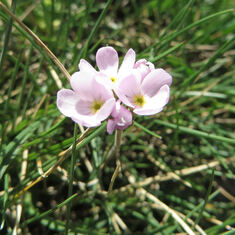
(83,107)
(121,120)
(111,126)
(106,109)
(66,100)
(105,80)
(107,60)
(87,121)
(154,81)
(100,91)
(128,88)
(155,104)
(146,111)
(81,82)
(85,66)
(127,63)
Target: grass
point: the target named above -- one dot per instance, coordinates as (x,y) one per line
(177,167)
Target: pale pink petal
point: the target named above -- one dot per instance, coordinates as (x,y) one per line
(147,111)
(107,60)
(161,98)
(121,120)
(124,98)
(105,80)
(125,118)
(155,104)
(99,91)
(116,109)
(66,100)
(150,65)
(140,62)
(83,107)
(81,82)
(105,110)
(127,63)
(154,81)
(85,66)
(111,126)
(87,121)
(128,88)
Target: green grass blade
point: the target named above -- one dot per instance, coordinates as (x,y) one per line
(147,130)
(46,213)
(195,132)
(83,52)
(7,38)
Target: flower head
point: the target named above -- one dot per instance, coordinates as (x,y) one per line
(108,62)
(137,84)
(89,103)
(144,67)
(146,96)
(121,118)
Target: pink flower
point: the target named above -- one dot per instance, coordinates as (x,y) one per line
(121,118)
(92,99)
(89,103)
(144,67)
(146,96)
(107,61)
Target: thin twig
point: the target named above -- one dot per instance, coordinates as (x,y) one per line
(161,166)
(118,136)
(19,205)
(169,176)
(63,155)
(37,40)
(167,209)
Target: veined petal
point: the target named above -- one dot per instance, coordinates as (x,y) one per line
(107,60)
(147,111)
(154,81)
(105,110)
(105,80)
(161,98)
(85,66)
(87,121)
(155,104)
(81,82)
(111,126)
(121,120)
(125,117)
(127,63)
(83,107)
(66,101)
(128,88)
(100,91)
(116,109)
(123,98)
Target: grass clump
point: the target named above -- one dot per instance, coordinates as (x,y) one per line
(177,166)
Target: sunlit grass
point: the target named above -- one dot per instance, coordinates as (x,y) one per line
(177,167)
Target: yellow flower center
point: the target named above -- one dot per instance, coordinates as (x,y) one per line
(139,100)
(96,106)
(113,79)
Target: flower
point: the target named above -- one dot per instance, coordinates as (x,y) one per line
(121,118)
(144,67)
(146,95)
(107,61)
(137,84)
(89,103)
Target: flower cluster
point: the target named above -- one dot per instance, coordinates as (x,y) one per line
(98,95)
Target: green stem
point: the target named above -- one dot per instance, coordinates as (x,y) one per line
(118,136)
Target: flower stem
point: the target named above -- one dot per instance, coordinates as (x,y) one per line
(118,136)
(71,176)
